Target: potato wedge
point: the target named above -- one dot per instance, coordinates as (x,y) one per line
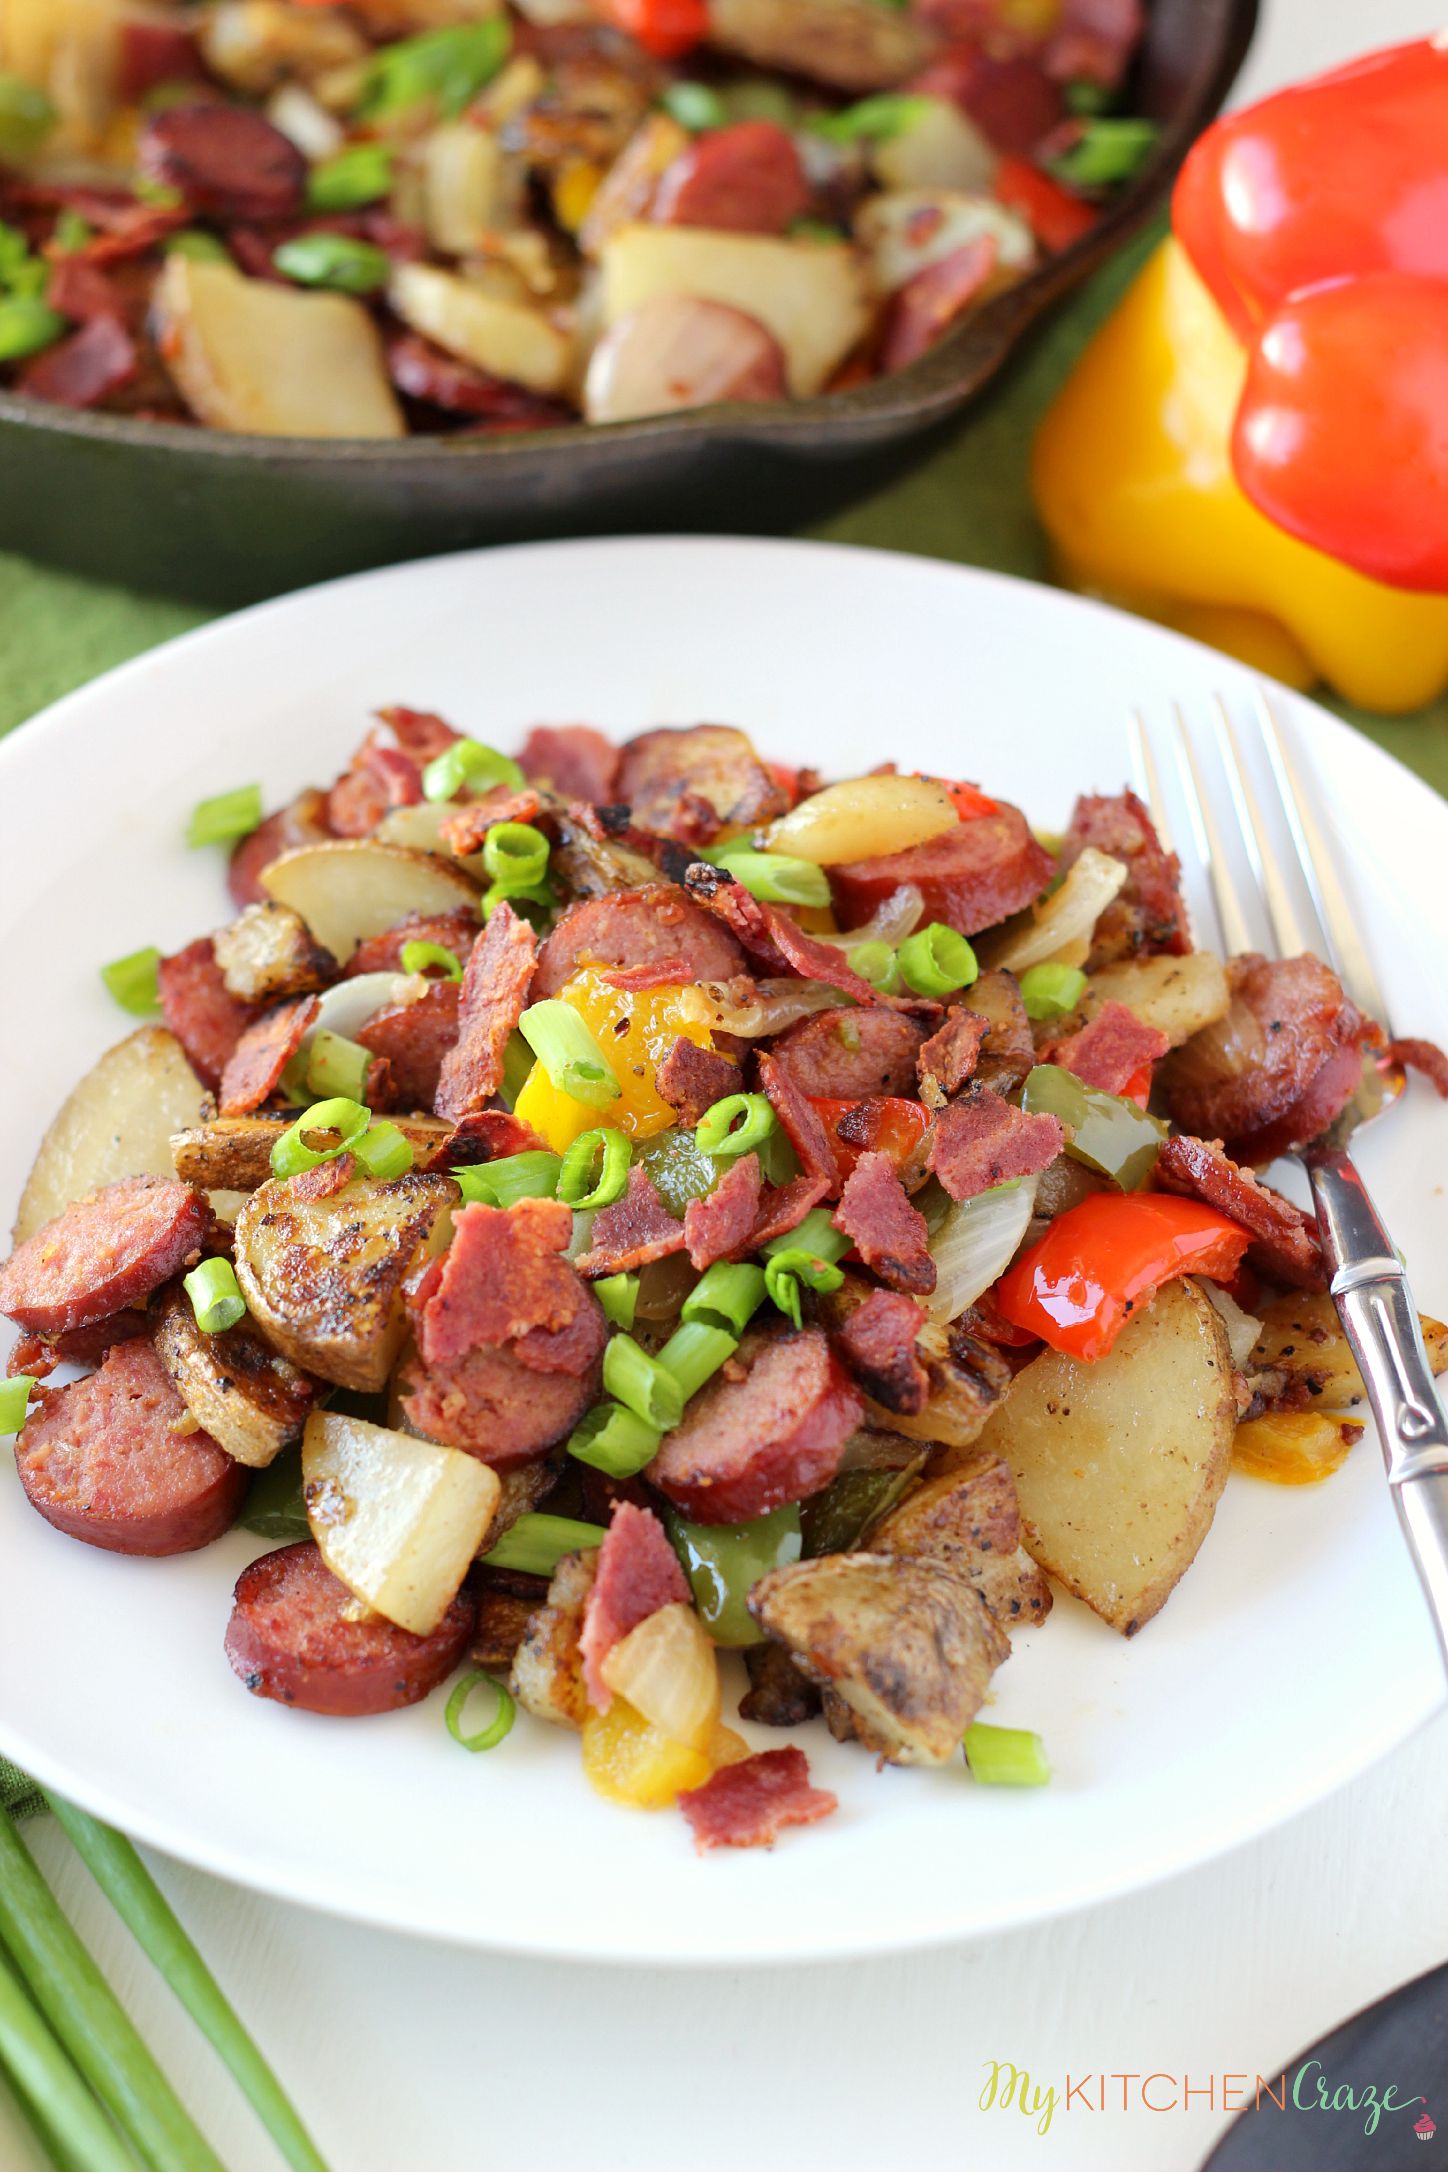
(116,1122)
(269,953)
(853,45)
(813,296)
(1119,1465)
(272,361)
(397,1519)
(322,1278)
(353,887)
(234,1152)
(251,1401)
(508,339)
(1176,995)
(1303,1353)
(907,230)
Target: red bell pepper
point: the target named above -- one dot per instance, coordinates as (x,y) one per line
(666,28)
(1054,215)
(968,800)
(1077,1287)
(882,1124)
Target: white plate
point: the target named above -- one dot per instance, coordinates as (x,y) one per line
(1295,1652)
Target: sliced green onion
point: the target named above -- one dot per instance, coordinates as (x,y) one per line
(517,1067)
(935,961)
(26,119)
(72,232)
(383,1151)
(291,1154)
(230,815)
(540,894)
(336,1065)
(725,1296)
(695,107)
(817,1273)
(515,853)
(1049,990)
(872,120)
(27,326)
(778,1161)
(575,1063)
(195,242)
(694,1353)
(784,1292)
(14,1397)
(498,1727)
(132,981)
(143,1908)
(502,1183)
(336,261)
(736,1125)
(534,1545)
(1106,152)
(614,1440)
(362,174)
(641,1384)
(876,963)
(816,1235)
(446,68)
(1085,98)
(774,876)
(417,957)
(619,1297)
(468,762)
(595,1170)
(215,1296)
(1006,1757)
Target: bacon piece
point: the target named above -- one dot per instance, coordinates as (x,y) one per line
(1008,1052)
(255,1066)
(849,1054)
(494,991)
(575,760)
(414,1039)
(152,53)
(748,1805)
(1422,1056)
(935,299)
(455,931)
(1094,41)
(635,1230)
(81,291)
(486,1135)
(877,1342)
(691,1079)
(970,877)
(654,973)
(1110,1050)
(1147,916)
(301,823)
(466,832)
(503,1280)
(782,1207)
(226,161)
(1285,1243)
(950,1055)
(801,1121)
(771,1427)
(630,928)
(325,1178)
(771,937)
(421,733)
(721,1226)
(889,1234)
(638,1572)
(82,1346)
(380,778)
(84,369)
(102,1254)
(200,1009)
(981,1141)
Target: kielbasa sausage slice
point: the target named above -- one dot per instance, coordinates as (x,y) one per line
(290,1638)
(103,1253)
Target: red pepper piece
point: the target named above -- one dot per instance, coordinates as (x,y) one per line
(666,28)
(883,1124)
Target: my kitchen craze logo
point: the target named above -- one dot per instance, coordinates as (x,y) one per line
(1307,2088)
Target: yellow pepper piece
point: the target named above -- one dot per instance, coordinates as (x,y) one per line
(635,1028)
(556,1117)
(573,192)
(631,1761)
(1294,1448)
(1133,479)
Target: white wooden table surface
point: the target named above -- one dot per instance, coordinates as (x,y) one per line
(411,2058)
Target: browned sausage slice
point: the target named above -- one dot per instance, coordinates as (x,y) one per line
(747,179)
(227,162)
(848,1054)
(104,1462)
(201,1010)
(301,823)
(414,1038)
(637,927)
(980,872)
(768,1429)
(290,1638)
(694,781)
(103,1253)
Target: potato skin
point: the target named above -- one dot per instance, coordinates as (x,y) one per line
(547,1677)
(233,1153)
(251,1400)
(970,1519)
(1179,996)
(323,1278)
(269,953)
(1301,1360)
(1119,1465)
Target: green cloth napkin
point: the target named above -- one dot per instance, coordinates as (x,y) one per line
(18,1792)
(967,501)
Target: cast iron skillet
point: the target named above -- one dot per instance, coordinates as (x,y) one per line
(227,520)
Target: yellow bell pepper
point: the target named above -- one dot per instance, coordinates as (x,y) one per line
(635,1028)
(629,1760)
(1133,480)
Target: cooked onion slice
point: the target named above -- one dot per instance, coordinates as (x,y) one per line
(890,923)
(676,351)
(666,1669)
(865,818)
(774,1005)
(975,1244)
(1060,928)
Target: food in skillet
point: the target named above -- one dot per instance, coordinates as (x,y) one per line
(308,219)
(605,1207)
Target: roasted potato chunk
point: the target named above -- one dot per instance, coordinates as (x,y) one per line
(853,45)
(547,1677)
(968,1378)
(1301,1359)
(503,1621)
(1176,995)
(234,1152)
(117,1122)
(251,1400)
(1119,1465)
(970,1519)
(903,1648)
(323,1278)
(353,887)
(269,953)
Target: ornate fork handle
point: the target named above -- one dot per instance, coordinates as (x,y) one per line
(1370,1289)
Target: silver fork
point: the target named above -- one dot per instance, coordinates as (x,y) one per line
(1369,1283)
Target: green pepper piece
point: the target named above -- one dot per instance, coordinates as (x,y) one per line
(838,1518)
(678,1169)
(724,1561)
(1110,1135)
(275,1507)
